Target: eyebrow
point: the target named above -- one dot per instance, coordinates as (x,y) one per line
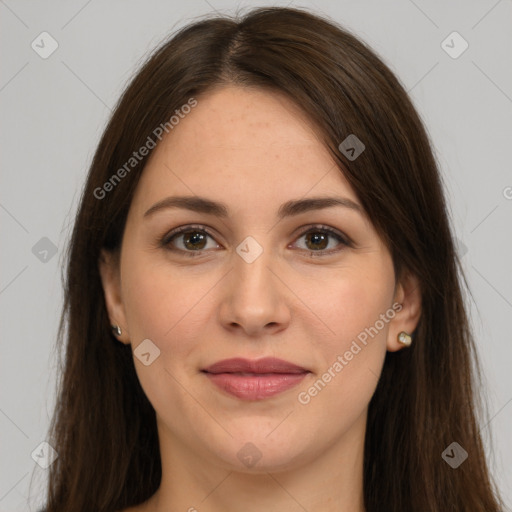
(288,209)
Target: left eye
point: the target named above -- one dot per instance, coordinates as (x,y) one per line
(317,239)
(193,240)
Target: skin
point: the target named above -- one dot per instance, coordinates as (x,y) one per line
(254,150)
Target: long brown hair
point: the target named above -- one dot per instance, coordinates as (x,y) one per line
(104,427)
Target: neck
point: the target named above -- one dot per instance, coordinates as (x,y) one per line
(327,482)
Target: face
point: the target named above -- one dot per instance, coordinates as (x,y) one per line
(313,287)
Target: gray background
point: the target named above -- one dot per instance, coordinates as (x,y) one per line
(53,111)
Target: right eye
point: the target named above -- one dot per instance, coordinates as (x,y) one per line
(193,240)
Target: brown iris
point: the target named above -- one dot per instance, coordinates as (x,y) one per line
(316,238)
(190,238)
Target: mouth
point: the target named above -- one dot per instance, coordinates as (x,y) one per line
(255,379)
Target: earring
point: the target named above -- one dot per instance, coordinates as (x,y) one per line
(404,339)
(117,330)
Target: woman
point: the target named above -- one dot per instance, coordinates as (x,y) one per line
(263,299)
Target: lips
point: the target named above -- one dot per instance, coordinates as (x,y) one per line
(258,366)
(255,379)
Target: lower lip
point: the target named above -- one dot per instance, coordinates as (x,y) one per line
(255,386)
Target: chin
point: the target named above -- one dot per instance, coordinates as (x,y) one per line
(263,451)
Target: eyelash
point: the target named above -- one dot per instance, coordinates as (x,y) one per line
(168,238)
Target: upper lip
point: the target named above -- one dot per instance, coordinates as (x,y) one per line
(264,365)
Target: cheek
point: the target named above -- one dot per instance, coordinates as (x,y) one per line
(357,311)
(353,303)
(165,304)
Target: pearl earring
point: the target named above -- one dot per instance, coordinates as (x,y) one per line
(404,339)
(117,330)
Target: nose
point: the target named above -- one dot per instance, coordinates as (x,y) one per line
(254,301)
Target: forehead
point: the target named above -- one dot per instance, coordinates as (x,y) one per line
(262,113)
(255,144)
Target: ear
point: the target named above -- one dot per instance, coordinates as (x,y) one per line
(408,295)
(108,265)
